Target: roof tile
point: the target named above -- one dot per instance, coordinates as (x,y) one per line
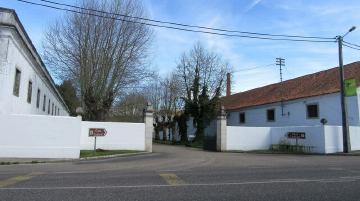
(320,83)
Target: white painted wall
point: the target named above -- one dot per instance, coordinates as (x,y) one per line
(248,138)
(322,139)
(120,136)
(14,54)
(354,137)
(39,136)
(295,110)
(314,137)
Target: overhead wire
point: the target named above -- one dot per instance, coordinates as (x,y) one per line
(187,25)
(351,47)
(257,67)
(351,44)
(178,28)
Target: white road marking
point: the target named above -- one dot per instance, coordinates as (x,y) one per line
(188,185)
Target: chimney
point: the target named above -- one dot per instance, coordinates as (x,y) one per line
(228,84)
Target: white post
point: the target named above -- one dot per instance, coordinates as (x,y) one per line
(221,130)
(149,128)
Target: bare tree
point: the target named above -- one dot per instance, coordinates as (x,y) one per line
(203,73)
(102,55)
(129,108)
(164,94)
(209,66)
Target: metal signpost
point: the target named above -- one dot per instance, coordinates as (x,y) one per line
(296,136)
(97,132)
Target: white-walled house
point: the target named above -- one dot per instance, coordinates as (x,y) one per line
(302,101)
(293,113)
(26,86)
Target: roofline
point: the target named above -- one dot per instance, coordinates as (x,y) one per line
(290,79)
(42,65)
(237,108)
(246,107)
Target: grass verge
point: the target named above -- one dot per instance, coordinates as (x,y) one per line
(101,152)
(187,144)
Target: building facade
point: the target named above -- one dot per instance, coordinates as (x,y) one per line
(302,101)
(26,86)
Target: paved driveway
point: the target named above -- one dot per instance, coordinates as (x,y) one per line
(179,173)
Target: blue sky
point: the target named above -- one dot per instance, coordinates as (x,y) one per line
(326,18)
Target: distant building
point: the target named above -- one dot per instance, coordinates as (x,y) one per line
(302,101)
(26,86)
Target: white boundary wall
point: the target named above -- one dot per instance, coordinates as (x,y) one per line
(39,136)
(248,138)
(322,139)
(120,136)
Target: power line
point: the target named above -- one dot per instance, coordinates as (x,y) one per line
(257,67)
(351,44)
(177,28)
(187,25)
(351,47)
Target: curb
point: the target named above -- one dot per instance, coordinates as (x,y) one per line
(113,156)
(34,162)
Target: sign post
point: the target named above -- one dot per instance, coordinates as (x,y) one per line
(296,136)
(97,132)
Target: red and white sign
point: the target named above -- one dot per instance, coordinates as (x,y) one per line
(97,132)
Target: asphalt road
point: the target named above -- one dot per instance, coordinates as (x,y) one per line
(178,173)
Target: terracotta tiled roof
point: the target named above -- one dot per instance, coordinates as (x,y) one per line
(320,83)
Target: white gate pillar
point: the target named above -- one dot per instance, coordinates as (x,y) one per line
(221,130)
(149,128)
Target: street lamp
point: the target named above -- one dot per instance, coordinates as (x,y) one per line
(345,123)
(350,30)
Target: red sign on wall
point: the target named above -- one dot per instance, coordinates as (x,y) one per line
(97,132)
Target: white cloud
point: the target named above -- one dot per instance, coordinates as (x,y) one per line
(251,5)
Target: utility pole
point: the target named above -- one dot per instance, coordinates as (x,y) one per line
(281,62)
(345,123)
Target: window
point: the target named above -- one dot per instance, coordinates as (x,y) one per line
(38,99)
(49,106)
(44,103)
(58,112)
(270,115)
(29,94)
(16,89)
(242,117)
(312,111)
(52,109)
(55,110)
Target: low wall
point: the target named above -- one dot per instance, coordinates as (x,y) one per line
(355,137)
(39,136)
(314,137)
(321,139)
(334,138)
(120,136)
(248,138)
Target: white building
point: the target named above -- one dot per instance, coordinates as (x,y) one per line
(302,101)
(26,86)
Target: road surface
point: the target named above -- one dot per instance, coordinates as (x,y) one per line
(179,173)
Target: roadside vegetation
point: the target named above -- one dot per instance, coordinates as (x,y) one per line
(101,152)
(108,72)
